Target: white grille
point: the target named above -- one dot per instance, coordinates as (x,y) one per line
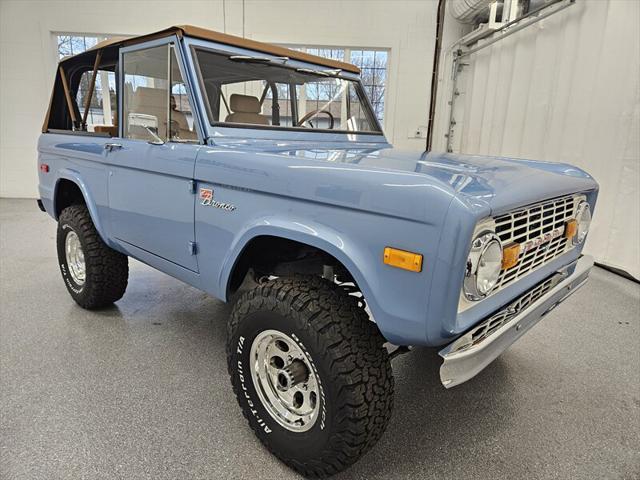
(531,223)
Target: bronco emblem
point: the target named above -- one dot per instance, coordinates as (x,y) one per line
(206,195)
(206,199)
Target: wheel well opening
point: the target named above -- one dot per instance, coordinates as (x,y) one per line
(67,194)
(266,256)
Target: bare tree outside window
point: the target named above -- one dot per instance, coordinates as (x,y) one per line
(373,72)
(99,113)
(73,44)
(373,68)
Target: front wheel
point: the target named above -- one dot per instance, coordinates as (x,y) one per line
(94,274)
(310,373)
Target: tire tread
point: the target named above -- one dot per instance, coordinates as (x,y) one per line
(359,364)
(107,271)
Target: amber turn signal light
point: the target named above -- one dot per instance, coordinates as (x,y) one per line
(510,256)
(402,259)
(571,228)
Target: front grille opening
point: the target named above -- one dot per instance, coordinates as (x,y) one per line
(530,223)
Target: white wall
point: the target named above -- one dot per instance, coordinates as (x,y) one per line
(565,89)
(28,53)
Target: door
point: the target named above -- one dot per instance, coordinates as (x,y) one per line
(151,190)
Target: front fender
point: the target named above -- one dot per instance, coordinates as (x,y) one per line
(397,318)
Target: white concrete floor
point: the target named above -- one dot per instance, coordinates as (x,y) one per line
(140,390)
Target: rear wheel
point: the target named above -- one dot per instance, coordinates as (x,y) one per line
(310,373)
(95,275)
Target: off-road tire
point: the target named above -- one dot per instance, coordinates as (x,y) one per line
(353,367)
(107,271)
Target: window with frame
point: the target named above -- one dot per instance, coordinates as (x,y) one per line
(73,44)
(257,91)
(155,103)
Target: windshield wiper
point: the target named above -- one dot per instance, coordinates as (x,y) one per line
(322,73)
(251,59)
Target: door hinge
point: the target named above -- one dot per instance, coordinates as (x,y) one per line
(192,186)
(193,248)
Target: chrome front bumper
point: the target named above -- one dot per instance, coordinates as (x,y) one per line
(472,352)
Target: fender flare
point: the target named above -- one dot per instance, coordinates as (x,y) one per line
(74,176)
(319,236)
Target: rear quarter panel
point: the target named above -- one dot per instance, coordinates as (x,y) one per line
(79,159)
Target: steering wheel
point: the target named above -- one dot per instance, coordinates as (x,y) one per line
(314,113)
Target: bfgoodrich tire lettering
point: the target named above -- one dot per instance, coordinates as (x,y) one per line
(352,368)
(106,271)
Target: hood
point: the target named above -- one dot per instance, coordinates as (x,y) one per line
(497,183)
(377,176)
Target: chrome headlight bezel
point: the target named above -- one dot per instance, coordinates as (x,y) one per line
(583,217)
(483,244)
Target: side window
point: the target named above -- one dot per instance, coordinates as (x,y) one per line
(180,112)
(155,103)
(102,111)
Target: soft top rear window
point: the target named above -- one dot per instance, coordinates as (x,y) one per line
(84,98)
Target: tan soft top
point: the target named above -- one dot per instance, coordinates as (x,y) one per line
(204,34)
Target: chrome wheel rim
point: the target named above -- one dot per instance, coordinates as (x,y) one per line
(285,380)
(75,258)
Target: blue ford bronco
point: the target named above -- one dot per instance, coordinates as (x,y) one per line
(261,175)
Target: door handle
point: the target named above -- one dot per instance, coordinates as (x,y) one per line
(112,146)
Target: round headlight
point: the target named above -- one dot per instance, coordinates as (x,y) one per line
(483,266)
(583,217)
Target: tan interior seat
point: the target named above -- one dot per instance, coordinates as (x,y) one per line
(111,130)
(153,102)
(245,109)
(182,130)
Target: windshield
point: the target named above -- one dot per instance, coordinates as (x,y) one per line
(253,91)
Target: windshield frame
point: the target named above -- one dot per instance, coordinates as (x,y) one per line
(293,65)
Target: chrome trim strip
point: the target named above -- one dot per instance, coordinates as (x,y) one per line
(465,357)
